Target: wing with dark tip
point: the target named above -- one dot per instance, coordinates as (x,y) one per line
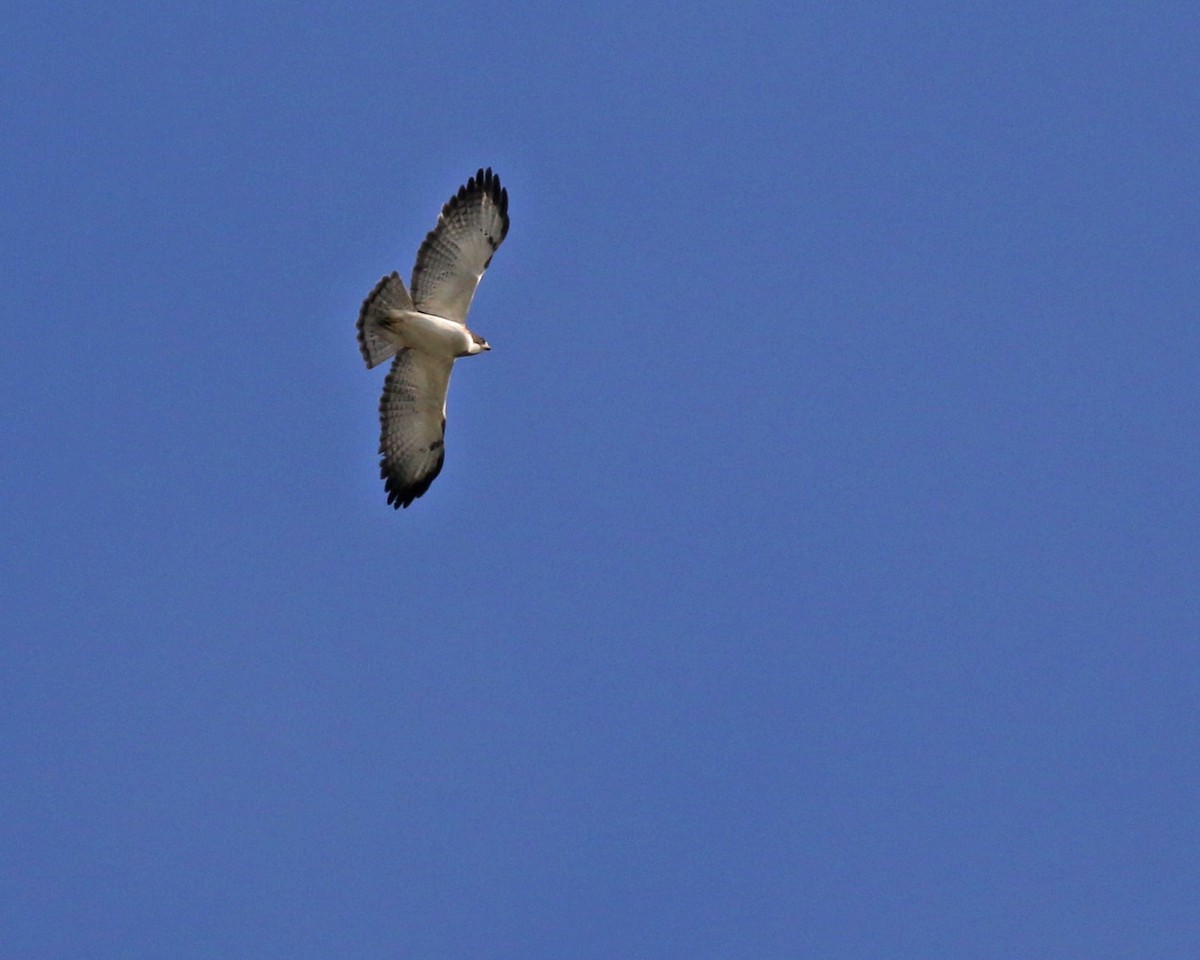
(457,251)
(412,417)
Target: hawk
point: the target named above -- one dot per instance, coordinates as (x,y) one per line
(427,331)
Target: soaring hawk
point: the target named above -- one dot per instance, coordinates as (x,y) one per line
(427,332)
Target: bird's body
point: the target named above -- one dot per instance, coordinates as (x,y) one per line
(427,332)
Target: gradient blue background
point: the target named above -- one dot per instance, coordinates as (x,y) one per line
(814,569)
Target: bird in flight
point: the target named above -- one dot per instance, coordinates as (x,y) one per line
(427,331)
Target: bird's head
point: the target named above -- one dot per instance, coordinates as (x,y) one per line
(478,344)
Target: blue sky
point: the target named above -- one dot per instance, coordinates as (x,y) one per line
(814,567)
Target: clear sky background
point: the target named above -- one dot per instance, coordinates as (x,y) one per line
(814,568)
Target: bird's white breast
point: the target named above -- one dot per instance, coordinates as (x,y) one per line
(430,334)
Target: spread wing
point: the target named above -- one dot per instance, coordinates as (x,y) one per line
(454,255)
(412,416)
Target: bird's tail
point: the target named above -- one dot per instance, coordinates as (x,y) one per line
(388,298)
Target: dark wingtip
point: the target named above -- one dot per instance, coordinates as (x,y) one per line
(494,189)
(401,494)
(485,183)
